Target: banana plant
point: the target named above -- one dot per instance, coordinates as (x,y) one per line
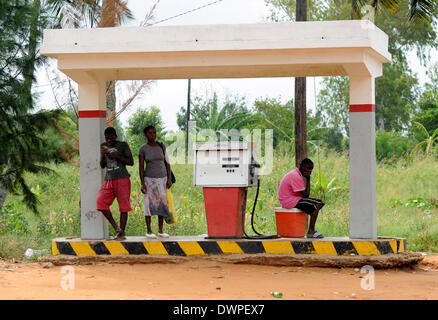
(427,143)
(324,187)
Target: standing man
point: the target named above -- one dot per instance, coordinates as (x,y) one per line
(115,156)
(294,192)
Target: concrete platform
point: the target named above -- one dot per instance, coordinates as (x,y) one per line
(202,246)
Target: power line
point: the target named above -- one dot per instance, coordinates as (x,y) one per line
(187,12)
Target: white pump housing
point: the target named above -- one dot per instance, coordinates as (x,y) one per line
(225,164)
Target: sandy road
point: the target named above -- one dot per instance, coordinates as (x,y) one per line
(206,280)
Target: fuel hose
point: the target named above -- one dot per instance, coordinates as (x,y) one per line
(259,235)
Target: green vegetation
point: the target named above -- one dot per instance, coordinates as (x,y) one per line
(407,203)
(23,129)
(137,122)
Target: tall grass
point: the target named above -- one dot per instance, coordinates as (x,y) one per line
(407,203)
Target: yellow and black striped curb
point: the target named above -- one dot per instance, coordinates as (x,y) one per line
(204,247)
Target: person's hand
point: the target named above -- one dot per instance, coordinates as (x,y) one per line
(168,184)
(103,151)
(113,155)
(144,190)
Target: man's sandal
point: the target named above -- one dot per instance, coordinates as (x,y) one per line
(315,235)
(151,236)
(120,236)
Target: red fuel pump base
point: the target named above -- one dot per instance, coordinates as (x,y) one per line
(225,211)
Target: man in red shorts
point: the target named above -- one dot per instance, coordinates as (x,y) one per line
(115,156)
(294,192)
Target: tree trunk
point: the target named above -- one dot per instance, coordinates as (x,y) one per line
(3,195)
(381,120)
(300,99)
(300,120)
(111,103)
(188,118)
(29,69)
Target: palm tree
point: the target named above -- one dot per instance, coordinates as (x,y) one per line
(208,115)
(113,13)
(102,14)
(91,13)
(75,13)
(419,10)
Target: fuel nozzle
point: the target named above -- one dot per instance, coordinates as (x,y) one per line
(255,164)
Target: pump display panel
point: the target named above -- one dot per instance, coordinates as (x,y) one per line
(224,164)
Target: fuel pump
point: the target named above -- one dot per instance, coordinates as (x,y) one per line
(225,170)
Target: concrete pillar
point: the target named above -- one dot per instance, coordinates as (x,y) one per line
(92,123)
(363,212)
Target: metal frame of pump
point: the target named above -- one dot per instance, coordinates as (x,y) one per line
(237,153)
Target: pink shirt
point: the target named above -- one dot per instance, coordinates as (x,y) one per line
(290,186)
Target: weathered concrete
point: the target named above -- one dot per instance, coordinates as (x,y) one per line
(385,252)
(363,208)
(93,223)
(200,245)
(304,260)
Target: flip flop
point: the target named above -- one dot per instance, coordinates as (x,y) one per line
(120,236)
(163,235)
(151,236)
(316,235)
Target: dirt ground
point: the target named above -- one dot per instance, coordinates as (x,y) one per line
(199,279)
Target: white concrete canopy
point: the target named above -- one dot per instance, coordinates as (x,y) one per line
(357,49)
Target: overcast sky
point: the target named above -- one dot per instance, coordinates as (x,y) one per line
(170,95)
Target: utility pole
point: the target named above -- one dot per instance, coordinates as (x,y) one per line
(188,119)
(300,99)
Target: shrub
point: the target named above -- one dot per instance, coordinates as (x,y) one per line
(12,221)
(392,145)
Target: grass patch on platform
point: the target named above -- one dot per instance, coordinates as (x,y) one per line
(407,203)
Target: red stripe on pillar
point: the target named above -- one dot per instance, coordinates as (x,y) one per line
(362,108)
(92,114)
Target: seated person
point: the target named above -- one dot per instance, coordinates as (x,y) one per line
(294,192)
